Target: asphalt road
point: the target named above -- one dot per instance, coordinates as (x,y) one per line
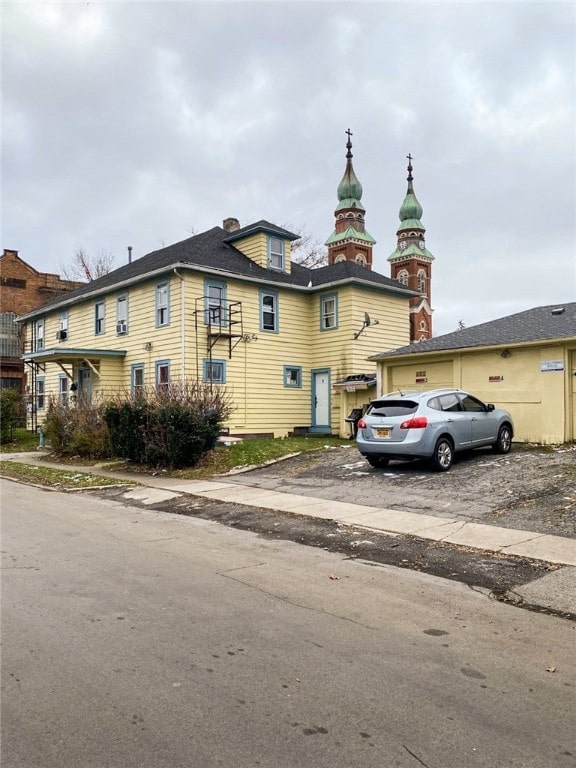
(133,638)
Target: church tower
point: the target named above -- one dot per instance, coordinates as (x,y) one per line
(411,262)
(350,241)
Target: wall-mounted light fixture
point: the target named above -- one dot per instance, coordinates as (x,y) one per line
(505,353)
(148,346)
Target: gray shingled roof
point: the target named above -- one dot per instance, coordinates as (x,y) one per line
(554,322)
(210,250)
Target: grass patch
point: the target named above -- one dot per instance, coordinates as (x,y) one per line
(22,441)
(254,452)
(55,478)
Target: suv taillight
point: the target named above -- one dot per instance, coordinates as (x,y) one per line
(361,424)
(418,423)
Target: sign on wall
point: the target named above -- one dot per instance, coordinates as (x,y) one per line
(551,365)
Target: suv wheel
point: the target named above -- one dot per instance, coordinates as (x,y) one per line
(443,456)
(377,461)
(503,442)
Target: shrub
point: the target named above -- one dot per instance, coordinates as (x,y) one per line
(11,410)
(77,431)
(174,427)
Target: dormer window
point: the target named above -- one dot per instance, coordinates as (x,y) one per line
(276,253)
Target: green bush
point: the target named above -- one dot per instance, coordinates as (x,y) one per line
(126,421)
(11,410)
(172,428)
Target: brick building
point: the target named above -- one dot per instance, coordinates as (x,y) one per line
(22,289)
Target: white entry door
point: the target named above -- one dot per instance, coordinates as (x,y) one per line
(321,399)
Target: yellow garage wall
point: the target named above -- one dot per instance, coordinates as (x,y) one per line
(540,401)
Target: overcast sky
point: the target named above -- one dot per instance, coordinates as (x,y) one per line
(133,123)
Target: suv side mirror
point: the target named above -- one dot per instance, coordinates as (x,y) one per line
(490,407)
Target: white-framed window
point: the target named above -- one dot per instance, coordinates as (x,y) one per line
(329,312)
(63,389)
(403,276)
(340,257)
(360,259)
(214,371)
(215,303)
(421,280)
(40,393)
(269,311)
(293,376)
(162,304)
(39,326)
(62,332)
(276,253)
(162,375)
(99,318)
(423,325)
(122,314)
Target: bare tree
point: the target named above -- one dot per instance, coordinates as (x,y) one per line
(461,325)
(308,250)
(83,266)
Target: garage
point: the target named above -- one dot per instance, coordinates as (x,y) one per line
(525,363)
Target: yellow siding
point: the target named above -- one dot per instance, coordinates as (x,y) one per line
(256,248)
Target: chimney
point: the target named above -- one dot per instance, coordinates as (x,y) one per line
(230,225)
(129,254)
(10,252)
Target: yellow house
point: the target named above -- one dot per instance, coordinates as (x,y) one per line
(231,308)
(525,363)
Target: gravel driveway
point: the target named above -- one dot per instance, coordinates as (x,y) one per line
(528,489)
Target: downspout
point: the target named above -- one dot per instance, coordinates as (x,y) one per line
(182,327)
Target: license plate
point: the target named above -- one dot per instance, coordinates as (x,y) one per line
(382,432)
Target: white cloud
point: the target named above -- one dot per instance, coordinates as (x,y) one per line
(132,123)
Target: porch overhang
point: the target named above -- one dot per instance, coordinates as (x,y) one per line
(88,357)
(356,382)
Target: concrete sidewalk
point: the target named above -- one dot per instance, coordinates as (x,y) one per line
(488,538)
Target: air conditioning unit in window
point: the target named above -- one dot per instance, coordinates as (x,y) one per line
(61,335)
(121,326)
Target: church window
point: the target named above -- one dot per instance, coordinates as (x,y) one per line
(422,325)
(340,257)
(421,280)
(403,276)
(361,259)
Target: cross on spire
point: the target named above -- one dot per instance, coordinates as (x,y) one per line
(409,156)
(349,143)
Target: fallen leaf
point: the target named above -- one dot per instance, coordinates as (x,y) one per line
(334,577)
(551,669)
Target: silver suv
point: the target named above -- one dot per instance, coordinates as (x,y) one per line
(431,425)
